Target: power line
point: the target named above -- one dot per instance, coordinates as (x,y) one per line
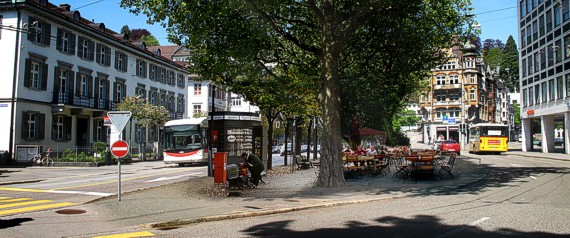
(89,4)
(496,10)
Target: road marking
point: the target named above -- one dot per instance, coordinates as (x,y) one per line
(19,204)
(532,177)
(15,200)
(128,235)
(517,165)
(4,198)
(461,228)
(36,208)
(52,191)
(171,178)
(125,179)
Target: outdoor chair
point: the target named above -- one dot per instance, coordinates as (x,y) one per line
(446,167)
(352,169)
(302,162)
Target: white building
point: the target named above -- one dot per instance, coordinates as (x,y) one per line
(544,64)
(62,73)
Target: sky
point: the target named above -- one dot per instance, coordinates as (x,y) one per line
(498,18)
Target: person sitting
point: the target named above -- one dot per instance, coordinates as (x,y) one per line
(255,166)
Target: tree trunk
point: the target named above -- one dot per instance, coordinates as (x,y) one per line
(331,174)
(270,120)
(287,126)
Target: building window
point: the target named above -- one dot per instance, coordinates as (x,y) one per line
(567,85)
(33,125)
(141,68)
(544,98)
(39,31)
(140,91)
(120,91)
(86,49)
(548,21)
(535,30)
(542,59)
(181,82)
(36,73)
(566,47)
(440,80)
(65,41)
(557,17)
(162,75)
(559,87)
(558,51)
(472,79)
(530,96)
(153,72)
(236,101)
(551,91)
(454,79)
(530,65)
(472,95)
(163,99)
(103,55)
(197,109)
(121,62)
(61,128)
(525,96)
(550,56)
(536,61)
(181,104)
(197,89)
(84,86)
(99,131)
(541,25)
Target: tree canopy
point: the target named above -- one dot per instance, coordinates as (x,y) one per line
(345,51)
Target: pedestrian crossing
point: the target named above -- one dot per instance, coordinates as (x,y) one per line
(12,206)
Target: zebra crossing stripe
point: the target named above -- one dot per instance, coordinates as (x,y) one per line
(128,235)
(15,200)
(19,204)
(36,208)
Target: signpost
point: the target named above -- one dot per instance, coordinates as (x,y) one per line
(119,148)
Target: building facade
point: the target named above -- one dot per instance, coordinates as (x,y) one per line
(544,27)
(461,92)
(62,73)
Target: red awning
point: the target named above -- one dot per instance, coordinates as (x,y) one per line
(370,132)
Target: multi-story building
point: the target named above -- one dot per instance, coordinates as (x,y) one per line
(200,98)
(62,73)
(544,27)
(457,96)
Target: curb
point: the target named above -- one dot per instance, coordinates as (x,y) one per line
(21,181)
(261,213)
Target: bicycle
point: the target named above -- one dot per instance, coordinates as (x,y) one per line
(43,160)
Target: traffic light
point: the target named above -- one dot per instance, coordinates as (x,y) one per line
(462,127)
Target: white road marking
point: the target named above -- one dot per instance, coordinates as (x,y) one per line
(532,177)
(461,228)
(81,193)
(517,165)
(172,177)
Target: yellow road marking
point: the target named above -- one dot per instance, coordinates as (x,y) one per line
(128,235)
(15,200)
(18,204)
(35,208)
(22,190)
(4,198)
(115,180)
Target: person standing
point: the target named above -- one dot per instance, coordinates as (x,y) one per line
(254,165)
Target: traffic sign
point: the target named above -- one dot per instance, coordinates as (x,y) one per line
(120,148)
(451,120)
(119,119)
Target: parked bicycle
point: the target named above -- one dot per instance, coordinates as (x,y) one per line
(42,159)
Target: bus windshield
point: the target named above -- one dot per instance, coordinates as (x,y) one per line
(183,137)
(493,131)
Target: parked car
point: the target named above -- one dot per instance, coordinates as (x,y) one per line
(289,149)
(436,144)
(275,149)
(451,145)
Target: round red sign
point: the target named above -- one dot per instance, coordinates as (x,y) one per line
(120,148)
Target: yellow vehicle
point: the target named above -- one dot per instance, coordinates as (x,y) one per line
(488,138)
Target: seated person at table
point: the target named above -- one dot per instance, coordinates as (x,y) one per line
(371,151)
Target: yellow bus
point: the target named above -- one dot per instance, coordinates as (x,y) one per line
(488,138)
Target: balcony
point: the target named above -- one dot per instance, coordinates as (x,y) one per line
(69,99)
(447,86)
(447,103)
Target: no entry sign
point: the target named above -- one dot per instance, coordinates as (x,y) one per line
(120,148)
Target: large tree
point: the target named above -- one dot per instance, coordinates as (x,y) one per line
(510,65)
(325,38)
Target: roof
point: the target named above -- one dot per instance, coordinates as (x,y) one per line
(370,132)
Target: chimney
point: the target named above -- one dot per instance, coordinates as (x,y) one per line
(65,7)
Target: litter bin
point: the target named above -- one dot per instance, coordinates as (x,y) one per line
(220,161)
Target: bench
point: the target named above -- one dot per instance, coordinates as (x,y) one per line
(302,162)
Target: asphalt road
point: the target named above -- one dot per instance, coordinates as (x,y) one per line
(521,197)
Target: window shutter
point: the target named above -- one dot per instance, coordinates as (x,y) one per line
(145,69)
(107,86)
(96,92)
(108,56)
(117,59)
(150,75)
(72,44)
(53,127)
(124,91)
(47,34)
(24,125)
(31,32)
(56,81)
(58,41)
(71,81)
(27,73)
(78,84)
(91,50)
(67,126)
(40,126)
(125,62)
(80,48)
(44,75)
(98,53)
(90,86)
(115,91)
